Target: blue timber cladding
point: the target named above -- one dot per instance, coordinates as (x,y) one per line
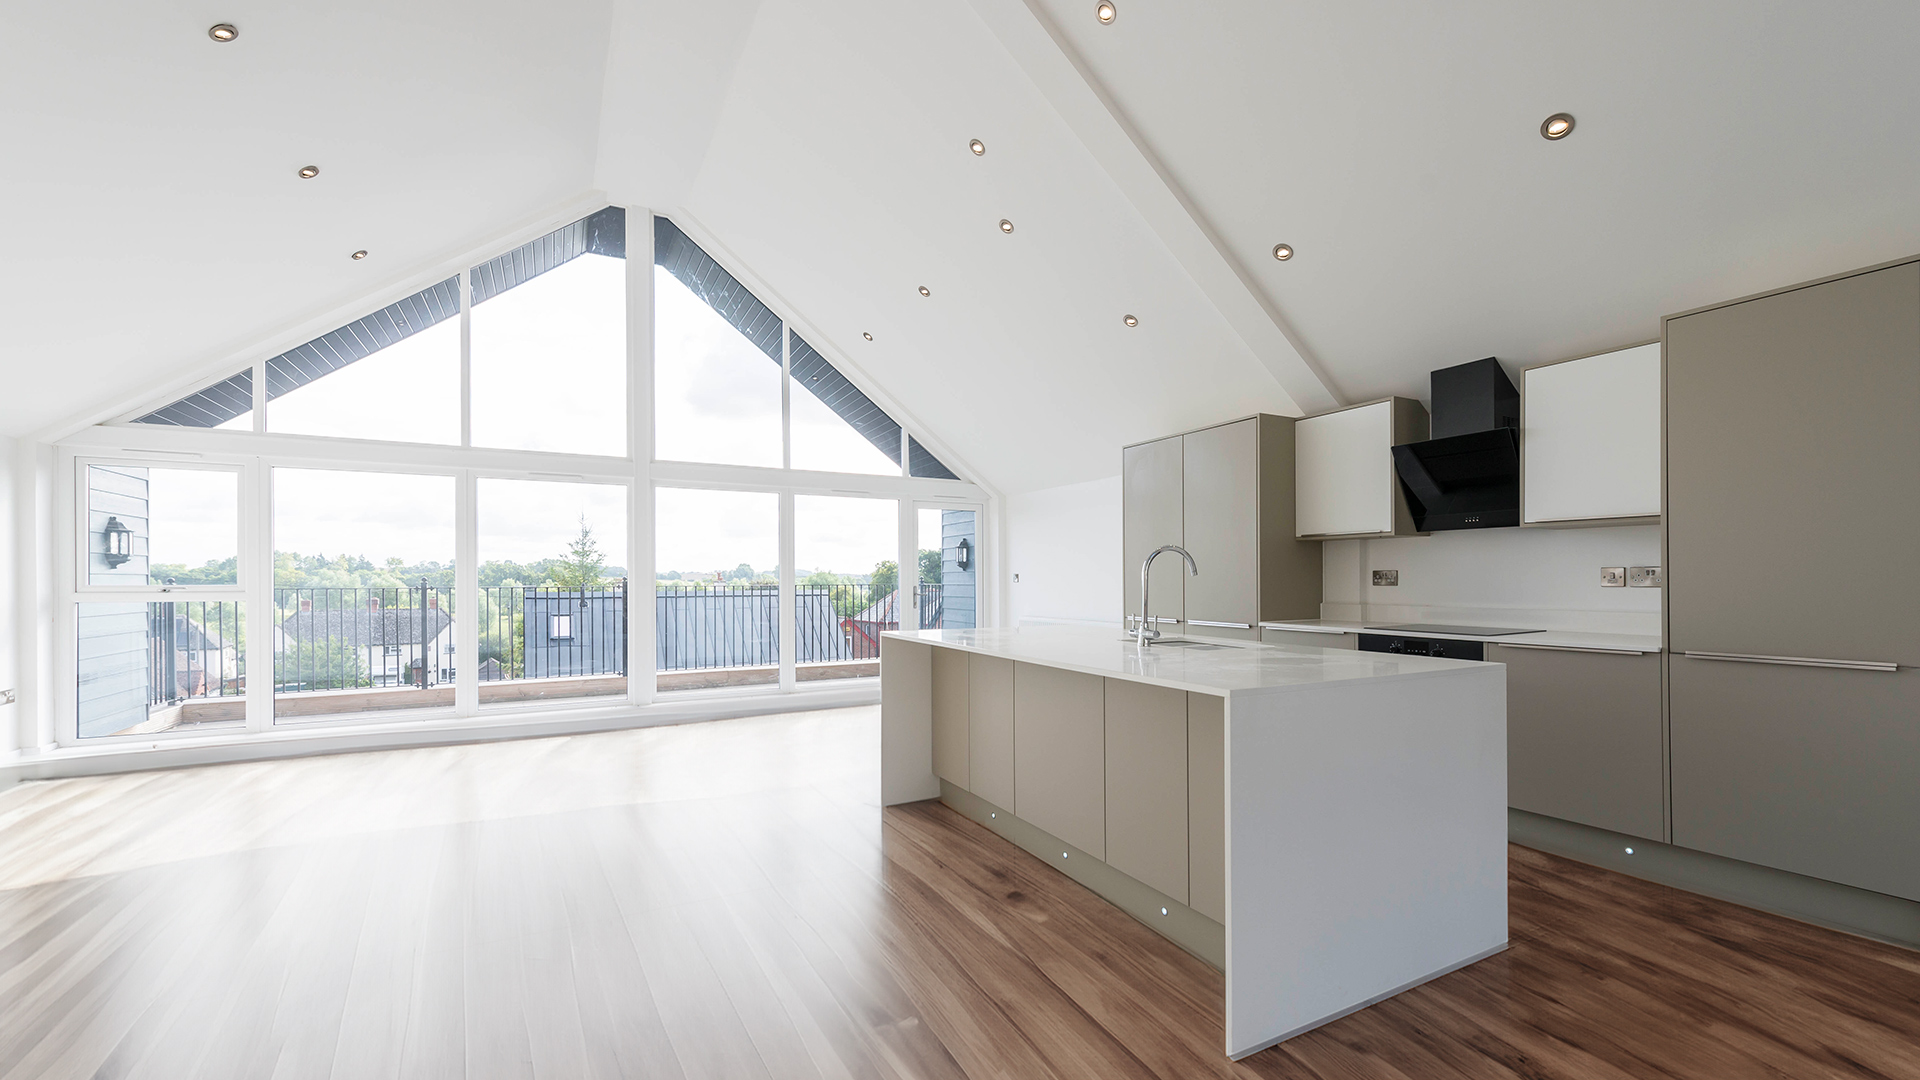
(601,233)
(813,372)
(956,585)
(207,408)
(112,645)
(707,279)
(361,338)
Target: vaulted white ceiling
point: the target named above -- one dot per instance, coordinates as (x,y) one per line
(155,226)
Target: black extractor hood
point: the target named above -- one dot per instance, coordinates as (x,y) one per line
(1468,475)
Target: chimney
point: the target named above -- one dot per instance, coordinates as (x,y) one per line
(433,601)
(306,603)
(373,603)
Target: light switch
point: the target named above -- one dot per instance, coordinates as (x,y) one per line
(1613,577)
(1645,577)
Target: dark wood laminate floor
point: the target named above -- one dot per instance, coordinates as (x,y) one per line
(726,900)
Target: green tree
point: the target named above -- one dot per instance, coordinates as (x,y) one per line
(886,578)
(932,566)
(584,567)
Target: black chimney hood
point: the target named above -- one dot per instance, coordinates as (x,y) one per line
(1468,475)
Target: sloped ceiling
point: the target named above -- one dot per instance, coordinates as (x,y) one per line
(820,149)
(153,219)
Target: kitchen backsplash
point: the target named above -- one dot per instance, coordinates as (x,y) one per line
(1549,578)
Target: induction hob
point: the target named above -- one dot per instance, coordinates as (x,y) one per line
(1459,631)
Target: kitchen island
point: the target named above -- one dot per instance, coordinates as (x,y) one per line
(1327,827)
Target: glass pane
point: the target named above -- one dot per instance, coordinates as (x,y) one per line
(394,375)
(362,593)
(717,594)
(836,428)
(716,394)
(949,545)
(553,591)
(921,462)
(227,404)
(148,668)
(550,342)
(847,572)
(162,526)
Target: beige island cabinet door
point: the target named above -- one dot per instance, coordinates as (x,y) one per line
(1147,784)
(1059,754)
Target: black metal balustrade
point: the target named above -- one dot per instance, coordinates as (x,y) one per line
(352,638)
(533,633)
(194,650)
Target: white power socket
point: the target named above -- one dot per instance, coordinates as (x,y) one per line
(1645,577)
(1386,577)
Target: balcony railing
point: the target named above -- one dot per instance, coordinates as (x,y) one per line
(329,639)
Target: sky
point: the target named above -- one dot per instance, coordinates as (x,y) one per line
(549,373)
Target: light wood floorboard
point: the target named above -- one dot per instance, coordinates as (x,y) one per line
(727,901)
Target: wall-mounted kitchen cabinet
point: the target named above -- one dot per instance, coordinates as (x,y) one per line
(1590,440)
(1226,494)
(1343,468)
(1793,425)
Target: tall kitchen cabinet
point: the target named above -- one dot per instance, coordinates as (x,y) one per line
(1226,494)
(1792,507)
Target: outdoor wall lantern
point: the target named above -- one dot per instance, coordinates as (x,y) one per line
(964,560)
(119,542)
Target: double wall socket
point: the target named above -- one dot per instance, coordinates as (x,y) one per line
(1386,577)
(1613,577)
(1645,577)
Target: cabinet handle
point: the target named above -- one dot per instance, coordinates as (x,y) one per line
(1572,648)
(1794,661)
(1134,620)
(1229,625)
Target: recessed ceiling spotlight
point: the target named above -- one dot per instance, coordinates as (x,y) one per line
(361,254)
(1557,126)
(1105,12)
(308,172)
(1283,252)
(1005,225)
(924,291)
(1130,320)
(223,32)
(866,335)
(977,147)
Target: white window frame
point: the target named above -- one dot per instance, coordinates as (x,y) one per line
(254,453)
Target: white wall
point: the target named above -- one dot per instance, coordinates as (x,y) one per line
(1548,578)
(1063,544)
(9,603)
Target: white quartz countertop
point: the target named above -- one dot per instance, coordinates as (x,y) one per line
(1555,639)
(1229,667)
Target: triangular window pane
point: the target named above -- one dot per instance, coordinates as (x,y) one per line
(393,375)
(550,341)
(922,463)
(836,428)
(716,360)
(227,404)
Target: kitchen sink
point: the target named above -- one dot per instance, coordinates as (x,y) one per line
(1187,643)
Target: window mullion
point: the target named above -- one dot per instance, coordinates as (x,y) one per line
(788,627)
(466,358)
(256,571)
(466,595)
